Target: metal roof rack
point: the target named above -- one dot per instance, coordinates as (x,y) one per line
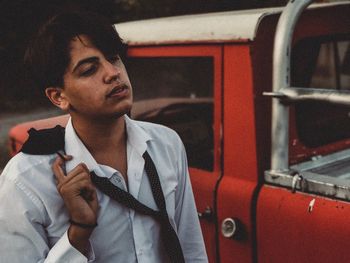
(297,176)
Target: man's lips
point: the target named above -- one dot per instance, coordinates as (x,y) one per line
(117,91)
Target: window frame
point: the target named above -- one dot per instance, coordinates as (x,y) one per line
(195,51)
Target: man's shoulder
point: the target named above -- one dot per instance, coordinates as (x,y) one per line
(24,165)
(29,182)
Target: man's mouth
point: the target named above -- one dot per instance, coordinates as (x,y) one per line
(117,91)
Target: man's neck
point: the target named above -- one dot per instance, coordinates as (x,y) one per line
(97,135)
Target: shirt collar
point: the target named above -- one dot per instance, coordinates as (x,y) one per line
(137,138)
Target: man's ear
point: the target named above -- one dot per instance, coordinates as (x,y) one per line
(57,96)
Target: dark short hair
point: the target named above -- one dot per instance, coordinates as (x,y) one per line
(48,54)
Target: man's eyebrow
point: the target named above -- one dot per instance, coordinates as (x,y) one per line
(84,61)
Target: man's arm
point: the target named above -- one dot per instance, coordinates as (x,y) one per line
(23,217)
(23,236)
(186,216)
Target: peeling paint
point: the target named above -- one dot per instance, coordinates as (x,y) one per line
(311,205)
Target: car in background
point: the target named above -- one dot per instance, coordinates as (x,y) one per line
(187,116)
(271,180)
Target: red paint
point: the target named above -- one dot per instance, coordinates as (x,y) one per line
(287,232)
(240,174)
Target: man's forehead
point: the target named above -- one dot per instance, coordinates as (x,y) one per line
(81,48)
(80,41)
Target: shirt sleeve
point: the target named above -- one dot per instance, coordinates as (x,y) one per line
(186,216)
(23,236)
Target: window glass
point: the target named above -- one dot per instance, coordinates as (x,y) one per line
(332,67)
(177,92)
(324,64)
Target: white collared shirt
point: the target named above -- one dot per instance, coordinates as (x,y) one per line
(34,221)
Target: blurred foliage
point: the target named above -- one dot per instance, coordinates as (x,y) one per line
(19,19)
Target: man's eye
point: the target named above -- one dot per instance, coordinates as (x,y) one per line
(89,71)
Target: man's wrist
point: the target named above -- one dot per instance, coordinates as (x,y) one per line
(82,225)
(79,238)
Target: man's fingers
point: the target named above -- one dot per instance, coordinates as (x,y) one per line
(93,202)
(79,175)
(57,169)
(65,157)
(79,172)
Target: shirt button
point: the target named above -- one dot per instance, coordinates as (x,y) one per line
(140,252)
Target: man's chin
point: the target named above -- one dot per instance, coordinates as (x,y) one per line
(121,112)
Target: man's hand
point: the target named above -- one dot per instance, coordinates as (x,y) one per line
(80,199)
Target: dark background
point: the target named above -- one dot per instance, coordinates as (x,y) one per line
(19,19)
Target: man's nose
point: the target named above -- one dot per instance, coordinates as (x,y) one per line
(112,72)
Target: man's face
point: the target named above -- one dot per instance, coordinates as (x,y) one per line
(95,86)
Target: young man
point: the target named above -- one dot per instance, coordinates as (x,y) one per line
(58,209)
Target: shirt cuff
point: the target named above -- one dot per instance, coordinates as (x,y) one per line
(63,251)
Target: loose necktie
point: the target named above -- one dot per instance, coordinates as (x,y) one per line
(49,141)
(169,237)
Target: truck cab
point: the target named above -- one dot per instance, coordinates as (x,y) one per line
(261,101)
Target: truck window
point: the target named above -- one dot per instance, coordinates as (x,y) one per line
(177,92)
(325,64)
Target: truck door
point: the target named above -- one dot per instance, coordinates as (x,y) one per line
(180,86)
(304,203)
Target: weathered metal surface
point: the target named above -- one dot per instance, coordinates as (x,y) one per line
(327,176)
(211,27)
(281,79)
(301,227)
(296,94)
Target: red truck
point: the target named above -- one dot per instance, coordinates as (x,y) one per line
(261,100)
